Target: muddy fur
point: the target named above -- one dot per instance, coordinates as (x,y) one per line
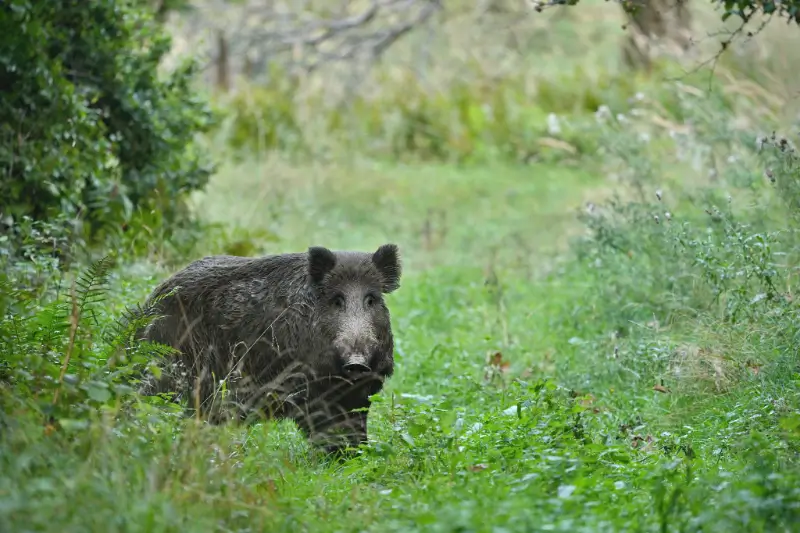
(305,336)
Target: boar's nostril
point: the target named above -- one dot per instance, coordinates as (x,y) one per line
(355,368)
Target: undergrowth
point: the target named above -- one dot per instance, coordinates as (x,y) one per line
(649,382)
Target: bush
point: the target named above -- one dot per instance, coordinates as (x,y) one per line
(65,356)
(88,129)
(474,119)
(691,286)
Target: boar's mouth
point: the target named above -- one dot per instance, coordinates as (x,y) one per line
(357,370)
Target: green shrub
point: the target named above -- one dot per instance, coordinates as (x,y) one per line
(66,355)
(692,284)
(267,119)
(89,130)
(474,119)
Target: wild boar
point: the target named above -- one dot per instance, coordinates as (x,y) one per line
(305,336)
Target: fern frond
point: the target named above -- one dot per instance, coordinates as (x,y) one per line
(53,324)
(133,319)
(8,294)
(92,285)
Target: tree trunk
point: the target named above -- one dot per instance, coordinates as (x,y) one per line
(651,23)
(223,63)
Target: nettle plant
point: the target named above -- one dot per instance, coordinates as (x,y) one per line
(695,250)
(740,262)
(737,262)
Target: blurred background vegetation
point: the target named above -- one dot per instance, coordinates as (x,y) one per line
(596,204)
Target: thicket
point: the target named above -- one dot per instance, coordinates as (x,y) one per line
(681,292)
(93,136)
(98,149)
(484,114)
(477,118)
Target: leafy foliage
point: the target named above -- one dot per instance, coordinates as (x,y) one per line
(477,119)
(54,357)
(647,380)
(747,9)
(742,9)
(89,130)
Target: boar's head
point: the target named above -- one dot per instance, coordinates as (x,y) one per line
(352,319)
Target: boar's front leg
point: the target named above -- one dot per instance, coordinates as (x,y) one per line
(334,431)
(335,416)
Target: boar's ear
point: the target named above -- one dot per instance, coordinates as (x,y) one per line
(320,262)
(387,259)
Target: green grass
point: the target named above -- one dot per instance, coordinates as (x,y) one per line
(449,451)
(648,376)
(438,214)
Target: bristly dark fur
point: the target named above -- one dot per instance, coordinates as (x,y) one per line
(300,335)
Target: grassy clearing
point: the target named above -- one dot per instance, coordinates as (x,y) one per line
(582,442)
(642,377)
(439,214)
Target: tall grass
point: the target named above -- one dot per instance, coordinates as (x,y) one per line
(477,86)
(597,327)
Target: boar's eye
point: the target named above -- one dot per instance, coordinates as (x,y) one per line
(338,301)
(369,300)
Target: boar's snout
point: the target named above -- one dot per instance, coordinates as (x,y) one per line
(355,365)
(356,371)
